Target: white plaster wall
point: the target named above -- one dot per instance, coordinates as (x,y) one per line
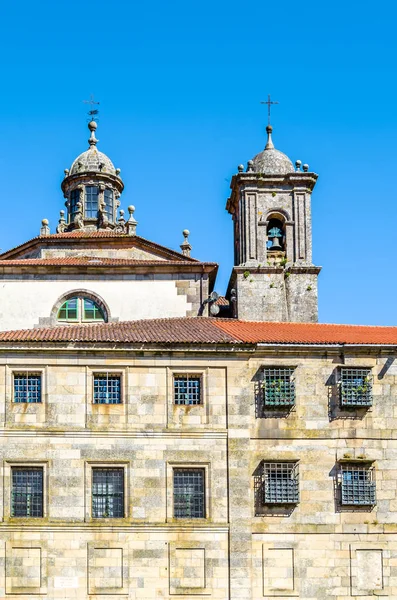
(24,302)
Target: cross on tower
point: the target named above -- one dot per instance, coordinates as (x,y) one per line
(93,112)
(269,103)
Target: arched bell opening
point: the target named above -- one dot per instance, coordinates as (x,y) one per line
(275,235)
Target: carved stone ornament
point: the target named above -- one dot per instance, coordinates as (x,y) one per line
(78,218)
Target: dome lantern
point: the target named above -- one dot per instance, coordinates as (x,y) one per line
(92,187)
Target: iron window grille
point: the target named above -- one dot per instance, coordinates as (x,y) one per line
(278,387)
(27,388)
(357,484)
(107,388)
(27,492)
(189,493)
(280,483)
(91,202)
(107,493)
(355,387)
(187,389)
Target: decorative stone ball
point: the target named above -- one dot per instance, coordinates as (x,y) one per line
(118,171)
(305,167)
(92,125)
(62,213)
(121,213)
(186,233)
(298,164)
(131,208)
(240,168)
(44,222)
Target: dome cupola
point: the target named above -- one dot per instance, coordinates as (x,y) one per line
(92,187)
(271,161)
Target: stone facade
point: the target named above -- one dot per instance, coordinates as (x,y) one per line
(316,549)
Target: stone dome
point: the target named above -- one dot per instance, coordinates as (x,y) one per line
(271,161)
(92,160)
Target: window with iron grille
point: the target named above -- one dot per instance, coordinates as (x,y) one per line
(355,387)
(27,492)
(108,198)
(189,493)
(357,484)
(74,199)
(187,389)
(280,483)
(107,493)
(107,388)
(278,387)
(27,388)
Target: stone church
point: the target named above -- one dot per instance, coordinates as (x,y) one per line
(159,441)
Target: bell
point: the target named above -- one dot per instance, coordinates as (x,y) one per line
(275,234)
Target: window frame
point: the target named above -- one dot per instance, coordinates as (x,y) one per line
(27,373)
(197,497)
(286,378)
(8,484)
(109,207)
(189,376)
(80,308)
(357,466)
(88,467)
(88,202)
(346,376)
(290,467)
(107,495)
(108,374)
(170,467)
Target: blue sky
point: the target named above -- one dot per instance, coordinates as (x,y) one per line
(180,85)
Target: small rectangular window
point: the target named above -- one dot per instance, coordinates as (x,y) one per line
(91,202)
(74,199)
(280,483)
(27,492)
(189,493)
(107,493)
(108,197)
(27,388)
(355,387)
(357,483)
(187,389)
(107,388)
(278,387)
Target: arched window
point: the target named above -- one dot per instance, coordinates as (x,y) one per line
(108,197)
(91,202)
(275,235)
(79,309)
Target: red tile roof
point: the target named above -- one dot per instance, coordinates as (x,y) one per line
(94,261)
(204,330)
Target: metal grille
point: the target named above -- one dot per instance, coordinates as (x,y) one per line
(357,485)
(356,387)
(27,492)
(278,387)
(107,389)
(27,388)
(189,493)
(187,389)
(280,483)
(91,202)
(107,493)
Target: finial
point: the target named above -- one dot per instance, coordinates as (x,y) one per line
(118,171)
(185,246)
(62,222)
(269,103)
(250,166)
(131,223)
(269,144)
(298,165)
(305,168)
(44,230)
(66,171)
(240,168)
(92,127)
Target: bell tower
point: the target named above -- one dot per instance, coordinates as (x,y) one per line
(273,277)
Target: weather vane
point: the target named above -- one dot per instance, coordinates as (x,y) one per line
(93,112)
(269,103)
